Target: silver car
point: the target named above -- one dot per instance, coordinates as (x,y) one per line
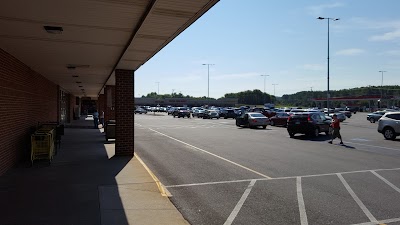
(252,119)
(389,125)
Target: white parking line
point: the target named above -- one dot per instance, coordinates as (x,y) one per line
(300,199)
(276,178)
(386,181)
(380,222)
(239,205)
(374,146)
(208,183)
(358,201)
(215,155)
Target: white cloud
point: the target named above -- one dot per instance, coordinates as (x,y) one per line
(314,67)
(350,51)
(390,29)
(388,36)
(391,53)
(317,10)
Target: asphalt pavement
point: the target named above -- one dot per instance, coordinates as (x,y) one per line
(218,173)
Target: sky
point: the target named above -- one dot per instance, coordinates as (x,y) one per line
(282,39)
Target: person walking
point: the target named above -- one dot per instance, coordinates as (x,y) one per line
(96,119)
(336,129)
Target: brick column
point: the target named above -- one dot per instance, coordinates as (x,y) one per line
(124,109)
(109,113)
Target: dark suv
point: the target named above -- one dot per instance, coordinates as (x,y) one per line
(181,112)
(227,113)
(309,123)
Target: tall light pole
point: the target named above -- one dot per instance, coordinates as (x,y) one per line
(382,71)
(265,76)
(274,89)
(208,80)
(208,77)
(158,88)
(327,93)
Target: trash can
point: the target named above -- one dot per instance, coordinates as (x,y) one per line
(110,129)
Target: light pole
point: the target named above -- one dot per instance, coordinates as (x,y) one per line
(264,85)
(274,89)
(382,71)
(208,80)
(158,88)
(328,94)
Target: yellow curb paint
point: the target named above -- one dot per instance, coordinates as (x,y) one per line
(164,192)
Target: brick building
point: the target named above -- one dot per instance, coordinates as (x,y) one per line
(54,54)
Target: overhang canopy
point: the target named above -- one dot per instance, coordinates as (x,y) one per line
(97,37)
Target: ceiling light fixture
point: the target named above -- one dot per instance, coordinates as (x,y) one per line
(75,76)
(80,86)
(53,29)
(78,82)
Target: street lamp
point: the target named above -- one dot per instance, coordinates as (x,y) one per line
(382,71)
(264,85)
(208,77)
(158,89)
(327,93)
(274,89)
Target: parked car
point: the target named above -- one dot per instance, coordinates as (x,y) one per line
(309,123)
(211,114)
(340,116)
(346,113)
(389,125)
(375,116)
(199,113)
(140,110)
(252,119)
(227,113)
(280,119)
(181,112)
(170,110)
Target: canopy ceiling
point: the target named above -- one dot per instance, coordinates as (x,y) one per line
(98,36)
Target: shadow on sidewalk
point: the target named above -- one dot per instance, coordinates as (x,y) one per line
(67,191)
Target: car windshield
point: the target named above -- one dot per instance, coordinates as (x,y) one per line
(256,115)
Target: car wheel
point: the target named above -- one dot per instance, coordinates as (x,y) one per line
(237,123)
(327,132)
(389,134)
(316,132)
(372,120)
(225,117)
(272,123)
(264,127)
(291,134)
(174,116)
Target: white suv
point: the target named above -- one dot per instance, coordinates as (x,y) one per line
(389,125)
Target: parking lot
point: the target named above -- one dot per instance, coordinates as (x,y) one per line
(218,173)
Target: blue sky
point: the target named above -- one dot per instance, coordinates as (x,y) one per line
(283,39)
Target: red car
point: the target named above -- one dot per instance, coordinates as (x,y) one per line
(280,119)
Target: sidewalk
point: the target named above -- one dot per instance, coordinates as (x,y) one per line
(85,184)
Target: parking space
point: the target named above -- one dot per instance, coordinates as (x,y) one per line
(218,173)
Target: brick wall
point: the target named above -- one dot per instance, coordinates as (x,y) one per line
(101,104)
(109,106)
(124,109)
(26,98)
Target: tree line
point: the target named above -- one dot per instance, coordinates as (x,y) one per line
(302,98)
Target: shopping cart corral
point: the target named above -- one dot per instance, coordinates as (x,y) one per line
(45,141)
